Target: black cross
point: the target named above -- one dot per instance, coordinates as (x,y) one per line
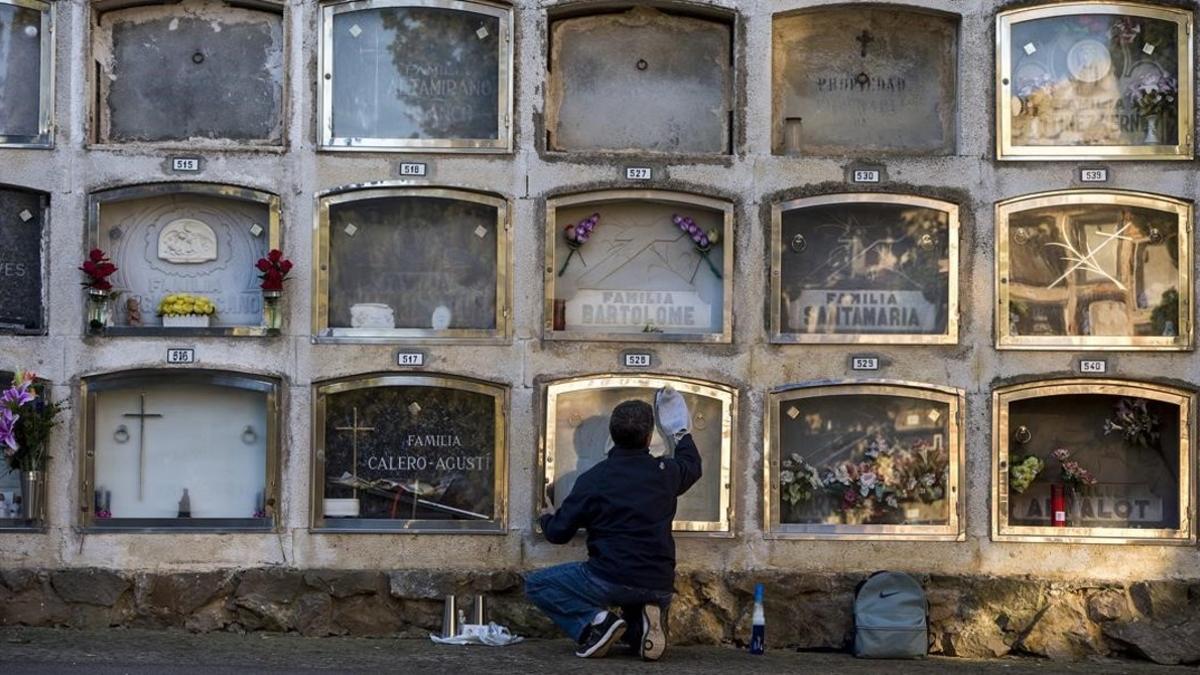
(141,416)
(865,39)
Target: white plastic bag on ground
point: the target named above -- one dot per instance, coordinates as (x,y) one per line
(492,635)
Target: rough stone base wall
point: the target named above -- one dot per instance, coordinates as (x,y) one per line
(971,616)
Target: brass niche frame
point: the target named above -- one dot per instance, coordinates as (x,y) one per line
(97,200)
(549,275)
(503,143)
(272,389)
(776,334)
(43,254)
(1002,531)
(46,119)
(322,333)
(94,140)
(728,396)
(955,399)
(1101,197)
(1007,151)
(498,525)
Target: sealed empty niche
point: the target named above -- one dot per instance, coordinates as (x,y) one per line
(410,452)
(22,216)
(26,94)
(413,74)
(864,80)
(192,71)
(412,263)
(640,80)
(1092,460)
(1096,269)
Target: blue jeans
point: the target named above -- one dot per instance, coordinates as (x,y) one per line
(571,595)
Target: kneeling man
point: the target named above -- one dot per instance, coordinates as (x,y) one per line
(626,503)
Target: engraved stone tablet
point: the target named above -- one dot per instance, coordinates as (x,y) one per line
(640,80)
(20,260)
(187,240)
(210,72)
(412,262)
(864,80)
(20,72)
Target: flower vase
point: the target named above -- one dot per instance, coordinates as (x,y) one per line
(31,495)
(97,310)
(273,311)
(1151,130)
(1058,505)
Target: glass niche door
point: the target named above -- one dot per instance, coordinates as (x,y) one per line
(192,450)
(1093,460)
(26,73)
(638,265)
(416,76)
(871,460)
(413,453)
(1094,269)
(575,438)
(864,268)
(1094,80)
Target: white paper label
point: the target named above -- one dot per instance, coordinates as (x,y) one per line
(350,229)
(1148,48)
(189,164)
(256,230)
(1029,48)
(864,363)
(638,173)
(482,32)
(865,176)
(637,360)
(1093,175)
(410,359)
(1095,366)
(412,169)
(177,356)
(481,232)
(25,216)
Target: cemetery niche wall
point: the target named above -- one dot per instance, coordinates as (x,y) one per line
(864,268)
(1092,80)
(198,450)
(26,73)
(1094,269)
(638,265)
(864,460)
(575,438)
(195,72)
(198,239)
(854,80)
(426,453)
(1093,460)
(402,264)
(416,75)
(24,215)
(641,79)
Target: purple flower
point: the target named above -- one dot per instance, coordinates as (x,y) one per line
(16,396)
(8,427)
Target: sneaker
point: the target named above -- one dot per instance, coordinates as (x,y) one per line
(606,629)
(654,636)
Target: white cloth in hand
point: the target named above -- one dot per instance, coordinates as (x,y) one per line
(672,414)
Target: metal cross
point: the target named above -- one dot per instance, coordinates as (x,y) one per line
(141,416)
(354,430)
(865,39)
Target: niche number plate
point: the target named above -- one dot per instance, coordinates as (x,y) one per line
(180,356)
(638,173)
(1093,366)
(410,359)
(1093,175)
(185,164)
(413,169)
(865,176)
(637,360)
(864,363)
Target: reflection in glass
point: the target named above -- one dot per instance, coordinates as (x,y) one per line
(416,73)
(1114,458)
(581,441)
(862,268)
(156,443)
(412,262)
(1093,270)
(410,453)
(866,460)
(1094,80)
(20,71)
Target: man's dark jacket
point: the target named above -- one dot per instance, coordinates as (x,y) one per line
(627,504)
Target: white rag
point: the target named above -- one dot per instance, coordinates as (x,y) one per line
(492,634)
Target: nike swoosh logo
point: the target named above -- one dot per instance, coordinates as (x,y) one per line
(888,595)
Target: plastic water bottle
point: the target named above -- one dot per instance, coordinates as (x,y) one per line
(758,630)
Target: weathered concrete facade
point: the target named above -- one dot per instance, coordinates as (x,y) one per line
(751,177)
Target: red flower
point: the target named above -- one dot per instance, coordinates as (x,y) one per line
(275,255)
(263,265)
(274,270)
(98,268)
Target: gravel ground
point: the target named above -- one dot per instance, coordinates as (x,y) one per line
(105,652)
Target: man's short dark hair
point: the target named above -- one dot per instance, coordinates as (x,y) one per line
(632,424)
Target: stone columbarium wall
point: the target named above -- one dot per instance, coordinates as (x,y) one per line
(1064,600)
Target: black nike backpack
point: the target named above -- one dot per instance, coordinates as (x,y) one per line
(891,618)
